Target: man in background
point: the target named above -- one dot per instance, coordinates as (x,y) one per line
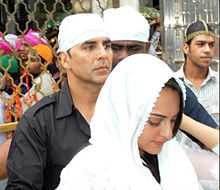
(199,48)
(129,32)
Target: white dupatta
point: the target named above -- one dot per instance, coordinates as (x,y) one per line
(113,162)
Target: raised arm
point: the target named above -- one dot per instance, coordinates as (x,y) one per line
(196,111)
(205,134)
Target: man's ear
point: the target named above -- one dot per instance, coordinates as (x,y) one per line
(64,60)
(185,48)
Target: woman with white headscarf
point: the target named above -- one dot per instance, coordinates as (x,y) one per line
(137,113)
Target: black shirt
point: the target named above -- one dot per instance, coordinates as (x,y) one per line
(151,161)
(46,139)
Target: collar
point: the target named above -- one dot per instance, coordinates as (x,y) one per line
(211,74)
(65,103)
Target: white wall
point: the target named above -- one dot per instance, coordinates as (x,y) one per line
(108,3)
(133,3)
(104,4)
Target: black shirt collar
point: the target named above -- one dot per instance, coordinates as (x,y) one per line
(65,103)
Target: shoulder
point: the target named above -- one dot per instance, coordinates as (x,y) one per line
(214,75)
(40,117)
(43,106)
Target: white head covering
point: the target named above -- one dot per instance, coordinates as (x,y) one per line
(11,39)
(78,28)
(113,160)
(125,23)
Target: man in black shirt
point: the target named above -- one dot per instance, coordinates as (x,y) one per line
(83,108)
(57,127)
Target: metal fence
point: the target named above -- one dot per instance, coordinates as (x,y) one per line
(28,65)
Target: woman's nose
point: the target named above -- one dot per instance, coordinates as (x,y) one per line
(167,130)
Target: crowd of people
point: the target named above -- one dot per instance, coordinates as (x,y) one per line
(122,118)
(25,62)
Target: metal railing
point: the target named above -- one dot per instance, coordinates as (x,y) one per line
(34,22)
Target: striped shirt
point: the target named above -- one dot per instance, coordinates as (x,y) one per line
(208,93)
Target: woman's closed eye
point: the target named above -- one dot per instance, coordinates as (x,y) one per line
(154,121)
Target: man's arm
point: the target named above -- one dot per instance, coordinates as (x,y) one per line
(205,134)
(196,111)
(4,148)
(27,156)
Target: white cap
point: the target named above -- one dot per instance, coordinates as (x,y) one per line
(125,23)
(78,28)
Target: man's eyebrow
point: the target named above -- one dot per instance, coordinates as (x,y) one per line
(205,41)
(129,45)
(89,42)
(119,45)
(135,45)
(94,42)
(107,41)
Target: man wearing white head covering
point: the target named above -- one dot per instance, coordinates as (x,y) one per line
(128,30)
(138,121)
(52,131)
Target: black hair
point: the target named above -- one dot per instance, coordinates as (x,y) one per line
(173,84)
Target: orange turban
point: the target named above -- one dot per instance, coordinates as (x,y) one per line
(45,52)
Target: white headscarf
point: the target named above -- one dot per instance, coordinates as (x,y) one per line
(113,162)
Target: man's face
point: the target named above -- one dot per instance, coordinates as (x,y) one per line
(34,64)
(124,48)
(200,51)
(91,61)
